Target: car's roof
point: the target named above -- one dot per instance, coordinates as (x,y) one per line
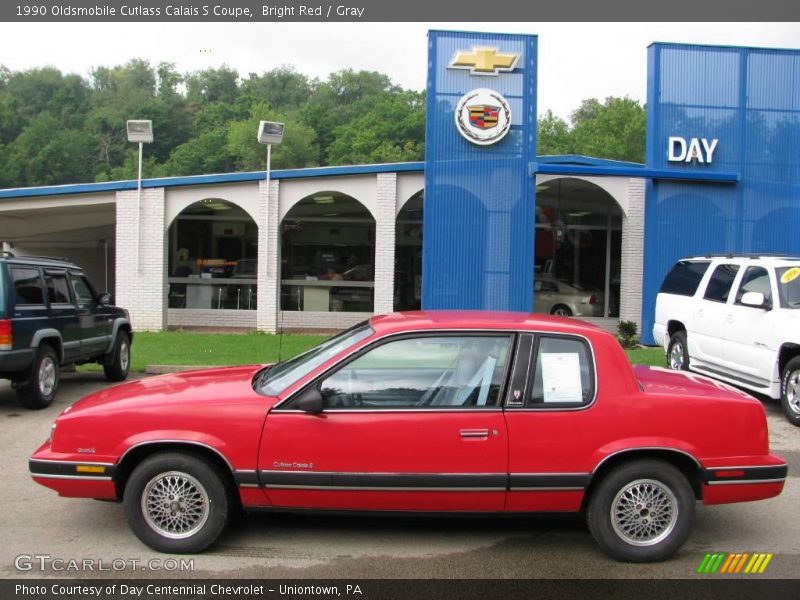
(41,261)
(474,319)
(774,258)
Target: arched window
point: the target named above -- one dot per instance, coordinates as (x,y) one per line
(408,255)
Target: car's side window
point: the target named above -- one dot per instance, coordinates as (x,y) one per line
(563,374)
(755,279)
(83,292)
(719,286)
(437,372)
(684,278)
(27,286)
(57,288)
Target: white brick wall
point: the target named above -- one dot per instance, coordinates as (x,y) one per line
(141,265)
(320,320)
(630,308)
(199,317)
(269,272)
(385,204)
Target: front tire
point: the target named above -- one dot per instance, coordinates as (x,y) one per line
(790,391)
(42,385)
(561,310)
(678,352)
(642,511)
(177,503)
(121,363)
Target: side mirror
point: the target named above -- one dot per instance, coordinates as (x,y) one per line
(309,401)
(756,300)
(105,298)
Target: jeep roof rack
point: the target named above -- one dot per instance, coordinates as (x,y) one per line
(35,257)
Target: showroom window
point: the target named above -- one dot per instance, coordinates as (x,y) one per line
(213,257)
(328,255)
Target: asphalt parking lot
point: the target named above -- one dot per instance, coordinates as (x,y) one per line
(35,522)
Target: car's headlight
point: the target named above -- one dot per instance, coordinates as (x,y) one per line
(52,433)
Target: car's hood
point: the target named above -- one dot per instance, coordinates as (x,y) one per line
(657,380)
(189,387)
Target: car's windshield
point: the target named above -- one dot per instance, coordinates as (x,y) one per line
(280,376)
(789,286)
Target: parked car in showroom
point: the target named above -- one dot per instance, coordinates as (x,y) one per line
(735,318)
(556,297)
(50,316)
(461,412)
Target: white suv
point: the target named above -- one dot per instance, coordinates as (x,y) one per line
(736,318)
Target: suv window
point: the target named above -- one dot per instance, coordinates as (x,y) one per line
(719,286)
(82,289)
(57,289)
(755,279)
(789,286)
(563,374)
(423,372)
(684,278)
(27,285)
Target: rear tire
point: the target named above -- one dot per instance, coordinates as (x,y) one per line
(177,502)
(40,389)
(790,391)
(678,351)
(642,511)
(561,310)
(121,363)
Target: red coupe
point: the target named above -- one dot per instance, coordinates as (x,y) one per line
(442,412)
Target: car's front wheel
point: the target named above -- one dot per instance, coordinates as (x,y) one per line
(176,502)
(678,352)
(120,364)
(790,391)
(642,511)
(561,310)
(40,389)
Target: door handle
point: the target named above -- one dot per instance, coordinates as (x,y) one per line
(729,319)
(474,434)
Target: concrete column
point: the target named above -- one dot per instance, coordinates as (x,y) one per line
(141,258)
(630,306)
(269,268)
(385,206)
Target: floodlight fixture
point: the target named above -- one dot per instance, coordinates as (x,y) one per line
(270,132)
(140,131)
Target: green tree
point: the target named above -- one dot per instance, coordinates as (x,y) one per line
(284,88)
(553,135)
(212,85)
(613,129)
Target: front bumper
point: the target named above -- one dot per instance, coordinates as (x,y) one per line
(73,478)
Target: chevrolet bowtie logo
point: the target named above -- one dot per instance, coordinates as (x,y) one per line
(484,61)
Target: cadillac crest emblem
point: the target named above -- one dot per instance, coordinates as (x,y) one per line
(483,116)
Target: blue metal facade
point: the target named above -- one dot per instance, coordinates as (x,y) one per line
(748,99)
(479,200)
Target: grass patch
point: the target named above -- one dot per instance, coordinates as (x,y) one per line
(191,348)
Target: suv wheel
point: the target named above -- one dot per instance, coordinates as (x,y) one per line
(642,511)
(177,503)
(790,391)
(42,385)
(120,365)
(678,352)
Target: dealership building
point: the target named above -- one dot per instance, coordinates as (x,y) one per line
(482,223)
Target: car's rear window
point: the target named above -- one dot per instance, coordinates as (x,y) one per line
(684,278)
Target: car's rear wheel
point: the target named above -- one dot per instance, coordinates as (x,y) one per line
(790,391)
(120,365)
(40,389)
(561,310)
(642,511)
(678,352)
(177,503)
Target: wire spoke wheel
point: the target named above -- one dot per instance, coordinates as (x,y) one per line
(175,504)
(644,512)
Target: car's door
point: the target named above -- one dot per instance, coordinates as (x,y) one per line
(706,338)
(552,426)
(749,329)
(63,312)
(93,321)
(410,423)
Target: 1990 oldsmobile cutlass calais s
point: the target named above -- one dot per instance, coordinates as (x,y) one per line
(444,412)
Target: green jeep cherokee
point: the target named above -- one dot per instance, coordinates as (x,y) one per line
(50,315)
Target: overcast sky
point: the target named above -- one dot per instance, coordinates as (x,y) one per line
(576,60)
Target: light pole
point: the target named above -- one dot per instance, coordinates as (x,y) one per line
(140,131)
(269,133)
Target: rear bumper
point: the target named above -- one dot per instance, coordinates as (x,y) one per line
(15,361)
(724,484)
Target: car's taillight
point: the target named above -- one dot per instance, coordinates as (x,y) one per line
(5,334)
(592,299)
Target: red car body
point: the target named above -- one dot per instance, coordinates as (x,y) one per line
(505,458)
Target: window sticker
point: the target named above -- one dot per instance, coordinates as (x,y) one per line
(561,377)
(790,275)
